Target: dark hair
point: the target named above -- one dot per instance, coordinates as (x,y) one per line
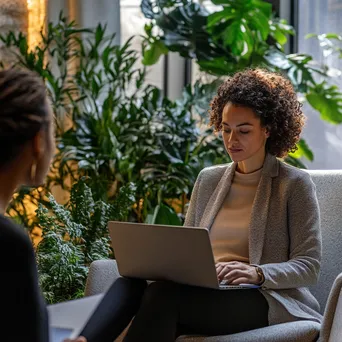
(273,99)
(23,110)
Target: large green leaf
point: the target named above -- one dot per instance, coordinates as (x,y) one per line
(184,31)
(303,150)
(231,3)
(260,23)
(153,52)
(295,162)
(218,66)
(223,16)
(327,100)
(264,6)
(299,68)
(280,30)
(239,39)
(163,214)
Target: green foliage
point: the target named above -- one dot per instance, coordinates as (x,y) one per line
(221,42)
(114,130)
(240,34)
(327,100)
(163,214)
(112,127)
(73,236)
(329,42)
(302,151)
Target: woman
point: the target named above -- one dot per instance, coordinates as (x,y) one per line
(263,217)
(27,146)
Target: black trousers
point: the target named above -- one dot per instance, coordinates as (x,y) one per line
(164,310)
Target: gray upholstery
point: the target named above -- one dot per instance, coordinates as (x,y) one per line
(295,331)
(329,192)
(101,275)
(331,326)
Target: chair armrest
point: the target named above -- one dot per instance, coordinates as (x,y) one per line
(303,331)
(102,273)
(331,325)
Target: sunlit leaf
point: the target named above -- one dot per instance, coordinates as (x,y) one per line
(303,151)
(327,100)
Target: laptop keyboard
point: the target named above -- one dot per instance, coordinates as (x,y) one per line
(238,287)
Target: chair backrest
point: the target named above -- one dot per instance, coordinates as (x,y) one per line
(331,329)
(329,192)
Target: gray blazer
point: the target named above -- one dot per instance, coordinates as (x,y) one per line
(284,233)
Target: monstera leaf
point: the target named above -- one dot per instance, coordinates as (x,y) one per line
(327,100)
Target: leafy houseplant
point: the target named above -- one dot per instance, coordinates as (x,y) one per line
(115,129)
(235,35)
(74,235)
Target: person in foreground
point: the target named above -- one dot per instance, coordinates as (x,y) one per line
(27,146)
(264,223)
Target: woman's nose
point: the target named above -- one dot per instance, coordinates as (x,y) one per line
(232,136)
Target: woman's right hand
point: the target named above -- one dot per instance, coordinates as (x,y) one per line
(235,273)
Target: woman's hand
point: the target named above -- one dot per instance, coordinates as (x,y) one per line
(78,339)
(235,273)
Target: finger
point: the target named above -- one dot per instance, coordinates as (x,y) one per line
(235,274)
(241,265)
(233,263)
(218,270)
(235,266)
(241,280)
(228,268)
(219,267)
(223,272)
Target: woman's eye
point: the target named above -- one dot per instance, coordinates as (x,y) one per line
(244,132)
(226,131)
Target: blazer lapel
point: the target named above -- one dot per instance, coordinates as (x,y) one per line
(215,202)
(260,209)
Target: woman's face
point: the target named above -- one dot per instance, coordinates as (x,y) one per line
(242,132)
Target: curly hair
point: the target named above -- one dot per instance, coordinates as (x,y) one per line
(272,98)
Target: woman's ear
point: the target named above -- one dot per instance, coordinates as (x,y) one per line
(267,132)
(38,145)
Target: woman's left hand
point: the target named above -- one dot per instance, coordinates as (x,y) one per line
(235,272)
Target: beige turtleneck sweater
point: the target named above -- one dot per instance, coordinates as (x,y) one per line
(229,233)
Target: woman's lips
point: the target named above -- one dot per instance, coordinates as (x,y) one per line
(234,150)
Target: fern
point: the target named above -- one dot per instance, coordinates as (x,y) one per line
(73,236)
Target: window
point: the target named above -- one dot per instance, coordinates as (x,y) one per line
(132,23)
(316,16)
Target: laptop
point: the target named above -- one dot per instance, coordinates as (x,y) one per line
(160,252)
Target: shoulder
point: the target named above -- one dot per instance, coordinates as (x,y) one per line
(13,238)
(214,172)
(297,181)
(293,174)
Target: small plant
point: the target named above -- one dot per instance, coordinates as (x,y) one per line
(73,236)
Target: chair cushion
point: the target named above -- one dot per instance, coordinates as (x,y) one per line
(301,331)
